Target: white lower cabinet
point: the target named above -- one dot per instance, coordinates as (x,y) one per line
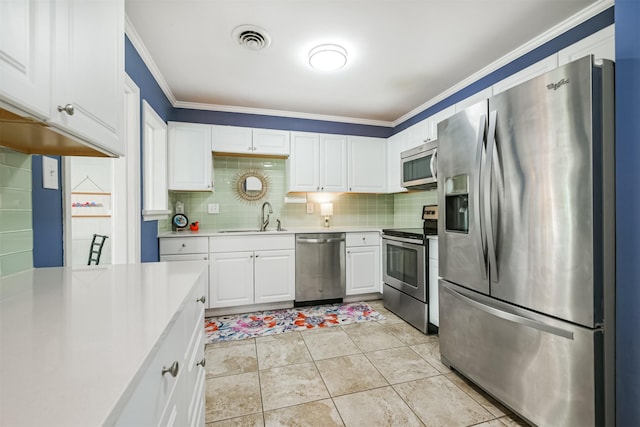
(170,392)
(247,270)
(434,313)
(231,279)
(363,263)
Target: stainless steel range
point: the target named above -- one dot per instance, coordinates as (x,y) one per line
(405,270)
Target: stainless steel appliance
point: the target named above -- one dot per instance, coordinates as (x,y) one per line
(320,268)
(526,245)
(405,270)
(419,166)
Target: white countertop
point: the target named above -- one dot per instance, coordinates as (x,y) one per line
(296,230)
(73,339)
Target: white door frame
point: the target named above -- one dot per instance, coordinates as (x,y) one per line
(126,182)
(125,175)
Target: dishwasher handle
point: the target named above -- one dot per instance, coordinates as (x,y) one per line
(329,240)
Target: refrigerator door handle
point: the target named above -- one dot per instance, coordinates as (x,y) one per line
(491,142)
(434,164)
(482,251)
(514,318)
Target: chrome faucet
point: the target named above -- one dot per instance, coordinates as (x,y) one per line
(265,222)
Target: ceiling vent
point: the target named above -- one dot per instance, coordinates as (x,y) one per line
(251,37)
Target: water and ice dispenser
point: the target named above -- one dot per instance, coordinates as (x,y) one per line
(456,193)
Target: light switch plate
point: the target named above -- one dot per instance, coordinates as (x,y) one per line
(49,173)
(309,207)
(213,208)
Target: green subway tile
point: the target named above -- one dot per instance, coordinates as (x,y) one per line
(15,220)
(13,158)
(19,241)
(15,263)
(13,177)
(15,199)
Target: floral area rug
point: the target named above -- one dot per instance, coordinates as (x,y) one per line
(240,326)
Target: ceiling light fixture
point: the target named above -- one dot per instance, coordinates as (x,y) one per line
(328,57)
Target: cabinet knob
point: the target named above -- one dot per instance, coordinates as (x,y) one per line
(184,245)
(256,255)
(67,109)
(202,299)
(322,188)
(317,188)
(202,363)
(173,369)
(250,148)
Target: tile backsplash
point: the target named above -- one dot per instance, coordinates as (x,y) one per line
(380,210)
(16,230)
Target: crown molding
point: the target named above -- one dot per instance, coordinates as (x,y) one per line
(280,113)
(543,38)
(131,32)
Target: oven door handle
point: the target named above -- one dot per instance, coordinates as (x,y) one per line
(403,239)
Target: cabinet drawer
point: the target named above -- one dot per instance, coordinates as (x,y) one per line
(185,257)
(153,394)
(369,238)
(184,245)
(252,243)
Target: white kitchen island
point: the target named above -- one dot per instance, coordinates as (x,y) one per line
(86,346)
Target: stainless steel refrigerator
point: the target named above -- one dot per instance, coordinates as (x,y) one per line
(527,245)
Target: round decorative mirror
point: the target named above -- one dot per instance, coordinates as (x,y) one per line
(251,185)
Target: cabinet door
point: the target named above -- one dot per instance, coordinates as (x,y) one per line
(88,58)
(25,50)
(302,164)
(600,45)
(275,273)
(367,164)
(395,146)
(268,141)
(189,157)
(333,163)
(363,270)
(232,139)
(231,279)
(417,134)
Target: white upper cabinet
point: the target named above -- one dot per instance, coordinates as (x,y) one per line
(241,140)
(367,164)
(417,134)
(528,73)
(190,164)
(25,48)
(232,139)
(395,146)
(87,97)
(318,162)
(269,141)
(303,165)
(333,163)
(601,45)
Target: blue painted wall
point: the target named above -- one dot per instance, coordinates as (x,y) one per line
(46,217)
(273,122)
(627,17)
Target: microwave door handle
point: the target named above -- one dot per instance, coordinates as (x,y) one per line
(434,164)
(482,252)
(491,144)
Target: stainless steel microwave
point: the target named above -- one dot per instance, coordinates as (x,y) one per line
(419,167)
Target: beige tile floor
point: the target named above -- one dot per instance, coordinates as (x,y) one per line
(370,374)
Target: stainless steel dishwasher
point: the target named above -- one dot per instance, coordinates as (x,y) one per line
(320,268)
